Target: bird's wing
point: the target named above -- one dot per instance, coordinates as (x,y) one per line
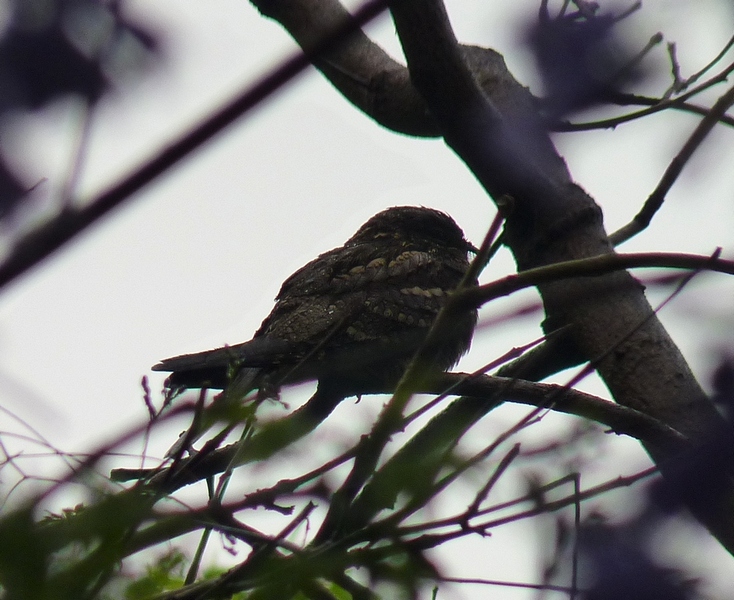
(358,294)
(356,267)
(362,291)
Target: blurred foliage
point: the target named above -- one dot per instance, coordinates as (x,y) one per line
(54,48)
(366,533)
(165,574)
(617,559)
(583,58)
(377,517)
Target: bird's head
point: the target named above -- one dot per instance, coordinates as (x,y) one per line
(413,226)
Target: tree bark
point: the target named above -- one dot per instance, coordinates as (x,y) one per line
(466,95)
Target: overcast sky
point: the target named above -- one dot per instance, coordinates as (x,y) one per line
(195,260)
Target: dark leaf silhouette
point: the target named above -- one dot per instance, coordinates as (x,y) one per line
(582,59)
(63,47)
(618,565)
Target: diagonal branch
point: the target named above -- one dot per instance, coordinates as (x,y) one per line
(46,239)
(656,199)
(553,220)
(481,395)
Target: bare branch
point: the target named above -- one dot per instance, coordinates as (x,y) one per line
(656,199)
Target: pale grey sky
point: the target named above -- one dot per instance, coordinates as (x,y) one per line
(195,260)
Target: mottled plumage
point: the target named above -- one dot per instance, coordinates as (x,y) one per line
(353,317)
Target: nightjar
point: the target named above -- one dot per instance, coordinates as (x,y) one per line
(353,317)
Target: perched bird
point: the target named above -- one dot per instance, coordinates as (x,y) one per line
(353,317)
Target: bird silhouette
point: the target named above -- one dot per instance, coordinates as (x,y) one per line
(353,317)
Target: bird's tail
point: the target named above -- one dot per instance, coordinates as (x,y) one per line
(215,368)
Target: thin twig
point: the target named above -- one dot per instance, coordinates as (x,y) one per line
(656,199)
(68,190)
(548,507)
(696,76)
(596,265)
(577,529)
(656,103)
(511,584)
(481,496)
(676,103)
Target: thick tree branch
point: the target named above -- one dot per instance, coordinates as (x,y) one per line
(382,88)
(364,73)
(482,393)
(553,220)
(644,369)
